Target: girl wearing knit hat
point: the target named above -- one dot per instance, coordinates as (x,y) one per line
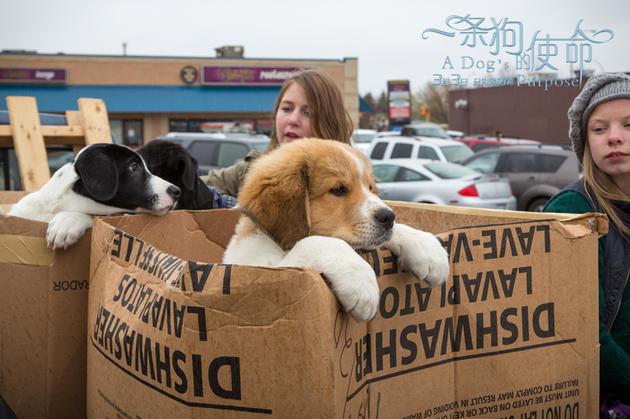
(599,129)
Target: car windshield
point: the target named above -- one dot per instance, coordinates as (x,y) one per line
(449,170)
(456,153)
(260,146)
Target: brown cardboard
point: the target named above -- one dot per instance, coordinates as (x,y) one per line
(43,305)
(169,337)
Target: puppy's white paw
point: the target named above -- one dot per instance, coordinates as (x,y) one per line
(420,253)
(357,290)
(351,278)
(66,228)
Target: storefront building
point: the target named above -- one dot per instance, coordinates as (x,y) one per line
(147,97)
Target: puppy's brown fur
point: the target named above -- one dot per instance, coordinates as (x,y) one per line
(319,190)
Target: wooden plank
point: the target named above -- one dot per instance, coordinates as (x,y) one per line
(53,135)
(95,121)
(75,118)
(28,140)
(73,131)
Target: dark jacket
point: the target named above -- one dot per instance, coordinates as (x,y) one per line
(616,261)
(614,294)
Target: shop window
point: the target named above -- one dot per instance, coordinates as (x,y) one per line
(116,128)
(127,131)
(193,125)
(264,126)
(261,126)
(177,125)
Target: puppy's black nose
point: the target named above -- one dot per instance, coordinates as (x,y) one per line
(385,217)
(173,191)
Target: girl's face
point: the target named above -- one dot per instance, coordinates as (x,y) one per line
(292,119)
(608,132)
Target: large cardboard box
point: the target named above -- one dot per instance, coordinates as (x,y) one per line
(513,334)
(43,307)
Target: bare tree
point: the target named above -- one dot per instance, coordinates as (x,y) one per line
(382,105)
(436,100)
(369,99)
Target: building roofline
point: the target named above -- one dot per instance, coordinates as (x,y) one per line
(22,53)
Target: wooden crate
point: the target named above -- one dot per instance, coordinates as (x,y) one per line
(25,133)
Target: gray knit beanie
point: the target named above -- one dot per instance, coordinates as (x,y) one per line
(597,90)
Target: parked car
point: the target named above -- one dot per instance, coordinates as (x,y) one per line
(424,129)
(362,138)
(217,150)
(444,183)
(536,172)
(481,143)
(401,147)
(454,134)
(388,133)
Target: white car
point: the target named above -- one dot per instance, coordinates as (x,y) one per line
(443,183)
(399,147)
(388,134)
(362,139)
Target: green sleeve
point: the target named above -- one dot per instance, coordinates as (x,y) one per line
(614,360)
(228,180)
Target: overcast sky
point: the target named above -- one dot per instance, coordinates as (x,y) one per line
(385,36)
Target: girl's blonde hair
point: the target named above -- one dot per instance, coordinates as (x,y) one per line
(327,114)
(605,190)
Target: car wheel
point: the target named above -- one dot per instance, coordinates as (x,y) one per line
(537,204)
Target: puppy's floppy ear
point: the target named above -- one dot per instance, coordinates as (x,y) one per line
(187,170)
(275,196)
(97,169)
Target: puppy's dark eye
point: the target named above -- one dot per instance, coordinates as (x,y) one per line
(339,191)
(133,167)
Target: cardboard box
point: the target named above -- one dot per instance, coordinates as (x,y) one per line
(174,333)
(43,306)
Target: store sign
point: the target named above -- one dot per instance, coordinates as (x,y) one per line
(399,99)
(189,74)
(32,75)
(267,76)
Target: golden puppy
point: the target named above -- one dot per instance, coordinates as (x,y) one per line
(312,203)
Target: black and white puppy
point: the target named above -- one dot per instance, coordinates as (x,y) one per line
(173,163)
(103,179)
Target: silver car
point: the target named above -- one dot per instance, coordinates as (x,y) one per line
(217,150)
(536,172)
(444,183)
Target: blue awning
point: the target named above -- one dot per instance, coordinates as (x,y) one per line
(155,99)
(147,99)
